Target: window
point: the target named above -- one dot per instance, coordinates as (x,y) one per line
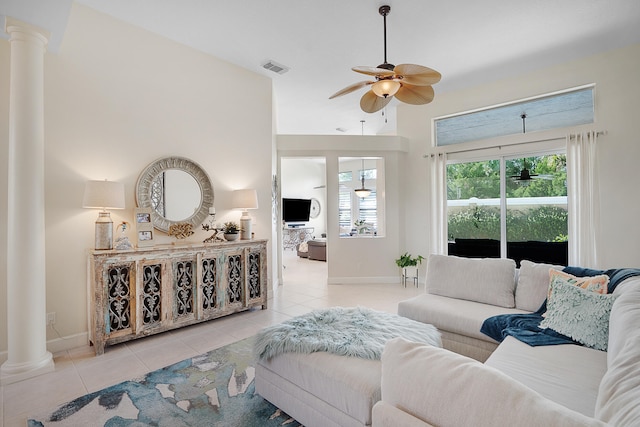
(509,207)
(360,216)
(368,209)
(568,108)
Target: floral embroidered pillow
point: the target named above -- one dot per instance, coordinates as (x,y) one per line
(578,313)
(597,284)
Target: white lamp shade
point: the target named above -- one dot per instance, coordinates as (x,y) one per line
(363,192)
(103,195)
(244,199)
(384,88)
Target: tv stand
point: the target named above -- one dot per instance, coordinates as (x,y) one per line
(293,236)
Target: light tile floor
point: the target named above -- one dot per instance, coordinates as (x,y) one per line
(79,371)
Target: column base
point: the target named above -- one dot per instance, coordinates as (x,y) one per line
(14,372)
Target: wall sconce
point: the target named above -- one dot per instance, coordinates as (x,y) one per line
(245,199)
(103,195)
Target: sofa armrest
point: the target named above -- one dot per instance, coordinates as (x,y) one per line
(449,390)
(385,415)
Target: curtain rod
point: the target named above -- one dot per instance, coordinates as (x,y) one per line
(499,147)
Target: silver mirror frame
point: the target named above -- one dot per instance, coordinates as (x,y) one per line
(151,172)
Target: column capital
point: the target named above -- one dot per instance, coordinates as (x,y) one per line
(19,30)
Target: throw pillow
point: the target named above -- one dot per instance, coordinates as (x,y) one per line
(596,284)
(578,313)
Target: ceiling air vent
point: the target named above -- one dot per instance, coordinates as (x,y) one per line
(275,67)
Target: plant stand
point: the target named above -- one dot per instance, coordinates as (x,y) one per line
(410,272)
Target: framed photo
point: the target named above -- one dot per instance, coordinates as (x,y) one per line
(144,227)
(143,217)
(145,235)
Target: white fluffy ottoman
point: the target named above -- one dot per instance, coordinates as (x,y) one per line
(299,371)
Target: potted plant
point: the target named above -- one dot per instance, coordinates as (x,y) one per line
(409,266)
(231,231)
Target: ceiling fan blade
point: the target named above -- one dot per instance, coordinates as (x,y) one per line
(417,74)
(416,95)
(373,71)
(370,102)
(350,88)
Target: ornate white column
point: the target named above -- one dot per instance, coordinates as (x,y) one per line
(26,290)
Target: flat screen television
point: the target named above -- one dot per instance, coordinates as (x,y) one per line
(296,210)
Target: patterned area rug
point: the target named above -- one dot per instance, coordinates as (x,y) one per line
(213,389)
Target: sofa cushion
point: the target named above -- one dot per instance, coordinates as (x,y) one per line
(619,392)
(567,374)
(578,313)
(349,384)
(485,280)
(451,314)
(533,284)
(625,316)
(458,391)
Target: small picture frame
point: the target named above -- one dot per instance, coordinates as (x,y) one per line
(143,217)
(144,227)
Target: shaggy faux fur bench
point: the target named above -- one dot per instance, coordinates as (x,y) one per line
(324,368)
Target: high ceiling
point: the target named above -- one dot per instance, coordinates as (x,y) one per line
(468,41)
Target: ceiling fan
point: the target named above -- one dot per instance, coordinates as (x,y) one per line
(409,83)
(525,176)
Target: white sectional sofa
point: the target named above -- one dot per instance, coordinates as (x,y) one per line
(558,385)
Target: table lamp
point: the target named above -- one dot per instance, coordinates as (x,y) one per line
(104,195)
(245,200)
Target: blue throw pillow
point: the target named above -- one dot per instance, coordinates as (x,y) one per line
(578,313)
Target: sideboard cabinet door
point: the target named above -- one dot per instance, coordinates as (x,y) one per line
(184,290)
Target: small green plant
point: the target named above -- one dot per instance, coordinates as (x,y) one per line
(406,260)
(231,228)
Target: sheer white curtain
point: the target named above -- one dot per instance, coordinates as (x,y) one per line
(438,204)
(584,199)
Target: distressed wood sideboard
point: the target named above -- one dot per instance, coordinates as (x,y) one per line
(145,291)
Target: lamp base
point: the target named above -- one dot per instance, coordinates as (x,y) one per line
(104,231)
(245,226)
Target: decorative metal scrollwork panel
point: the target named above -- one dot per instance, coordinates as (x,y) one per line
(234,278)
(151,294)
(183,288)
(119,296)
(209,284)
(254,275)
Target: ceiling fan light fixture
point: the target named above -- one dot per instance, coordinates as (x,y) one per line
(386,87)
(408,83)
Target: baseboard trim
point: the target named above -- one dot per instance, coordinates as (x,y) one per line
(362,280)
(67,343)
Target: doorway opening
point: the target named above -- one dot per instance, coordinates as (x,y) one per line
(303,204)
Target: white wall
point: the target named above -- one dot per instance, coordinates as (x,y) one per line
(116,99)
(355,260)
(617,104)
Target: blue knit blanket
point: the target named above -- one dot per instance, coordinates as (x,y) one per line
(525,327)
(358,332)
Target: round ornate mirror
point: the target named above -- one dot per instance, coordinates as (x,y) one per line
(177,190)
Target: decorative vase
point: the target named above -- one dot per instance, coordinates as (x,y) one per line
(231,236)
